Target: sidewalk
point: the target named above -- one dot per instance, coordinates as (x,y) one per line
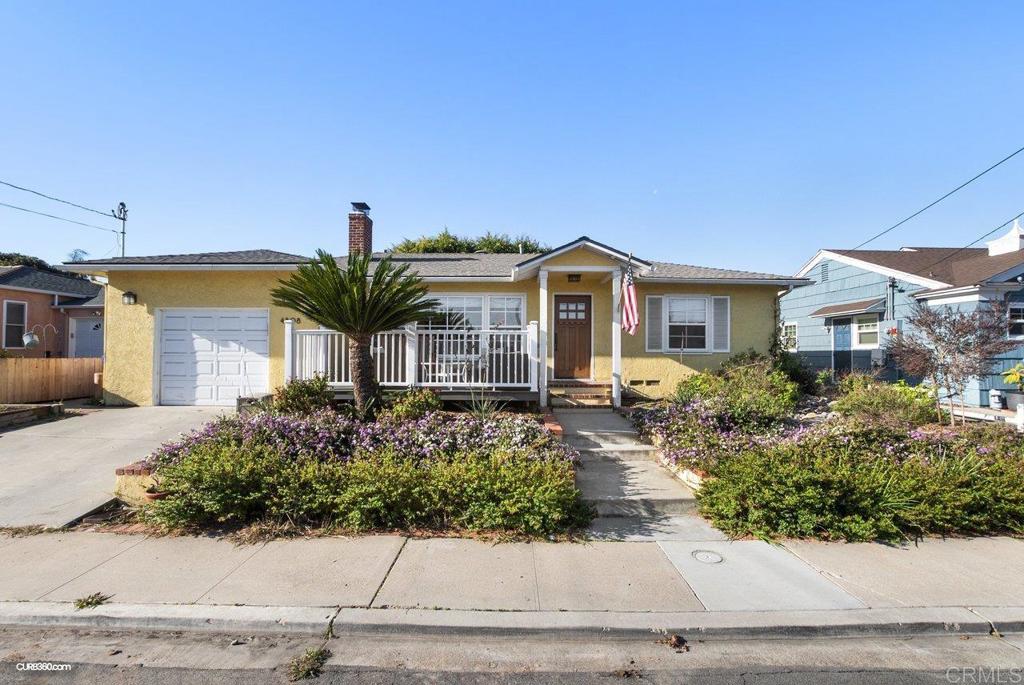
(395,584)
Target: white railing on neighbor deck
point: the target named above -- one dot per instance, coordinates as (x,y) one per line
(429,358)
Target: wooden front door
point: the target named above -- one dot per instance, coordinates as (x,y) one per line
(572,336)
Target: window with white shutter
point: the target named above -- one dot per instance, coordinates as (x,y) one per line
(720,319)
(654,323)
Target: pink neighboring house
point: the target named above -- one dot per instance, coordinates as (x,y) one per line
(68,308)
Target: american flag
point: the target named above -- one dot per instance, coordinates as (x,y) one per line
(630,314)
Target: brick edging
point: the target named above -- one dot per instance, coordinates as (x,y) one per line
(550,422)
(138,468)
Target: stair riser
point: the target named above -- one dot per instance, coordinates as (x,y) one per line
(642,508)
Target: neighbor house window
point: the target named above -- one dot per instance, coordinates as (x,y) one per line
(15,321)
(788,337)
(1016,323)
(687,323)
(472,312)
(865,332)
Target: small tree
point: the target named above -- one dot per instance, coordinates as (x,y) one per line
(358,304)
(950,347)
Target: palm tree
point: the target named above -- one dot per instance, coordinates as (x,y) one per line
(358,304)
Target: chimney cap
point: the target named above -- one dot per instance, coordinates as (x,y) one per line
(361,207)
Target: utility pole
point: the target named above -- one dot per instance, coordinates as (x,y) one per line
(121,213)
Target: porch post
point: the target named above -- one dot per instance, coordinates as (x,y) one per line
(410,354)
(616,338)
(289,350)
(534,353)
(542,369)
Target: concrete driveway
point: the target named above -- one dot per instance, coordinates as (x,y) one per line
(53,473)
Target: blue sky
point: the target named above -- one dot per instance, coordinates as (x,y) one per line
(731,134)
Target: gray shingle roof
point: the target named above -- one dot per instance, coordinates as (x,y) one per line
(437,265)
(687,271)
(96,300)
(453,264)
(236,257)
(47,281)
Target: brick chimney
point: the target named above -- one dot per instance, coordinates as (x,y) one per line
(360,229)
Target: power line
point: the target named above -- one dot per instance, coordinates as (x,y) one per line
(924,270)
(932,204)
(60,218)
(57,199)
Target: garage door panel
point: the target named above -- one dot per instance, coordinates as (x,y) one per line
(203,322)
(213,356)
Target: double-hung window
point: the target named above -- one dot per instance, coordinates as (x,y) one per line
(1015,327)
(687,323)
(865,332)
(15,322)
(789,338)
(478,312)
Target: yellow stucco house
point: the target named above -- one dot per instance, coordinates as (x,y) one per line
(201,329)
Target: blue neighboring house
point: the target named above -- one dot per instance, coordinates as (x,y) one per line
(858,298)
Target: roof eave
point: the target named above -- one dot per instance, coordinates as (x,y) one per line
(238,266)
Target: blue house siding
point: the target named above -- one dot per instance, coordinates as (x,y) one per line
(845,283)
(848,283)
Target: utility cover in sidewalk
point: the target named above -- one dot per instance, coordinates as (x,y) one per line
(753,576)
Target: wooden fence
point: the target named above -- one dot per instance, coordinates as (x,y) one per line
(25,380)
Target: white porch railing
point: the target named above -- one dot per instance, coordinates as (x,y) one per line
(429,358)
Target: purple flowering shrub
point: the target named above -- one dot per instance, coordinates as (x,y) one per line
(438,434)
(324,434)
(441,470)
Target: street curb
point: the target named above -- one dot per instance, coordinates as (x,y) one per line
(593,624)
(187,617)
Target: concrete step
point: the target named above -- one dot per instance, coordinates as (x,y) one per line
(597,402)
(632,489)
(619,452)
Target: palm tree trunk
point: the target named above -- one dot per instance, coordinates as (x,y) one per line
(360,366)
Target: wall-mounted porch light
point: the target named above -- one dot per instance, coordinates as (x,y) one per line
(128,297)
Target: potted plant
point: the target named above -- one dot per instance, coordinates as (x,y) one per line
(153,492)
(1015,376)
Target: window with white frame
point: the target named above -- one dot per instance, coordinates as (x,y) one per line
(865,332)
(505,312)
(686,323)
(15,322)
(1015,326)
(472,312)
(788,339)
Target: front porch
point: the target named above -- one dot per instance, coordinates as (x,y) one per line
(565,356)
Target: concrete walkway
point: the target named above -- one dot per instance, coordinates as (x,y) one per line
(636,499)
(392,581)
(55,472)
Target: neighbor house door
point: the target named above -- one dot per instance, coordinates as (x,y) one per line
(572,336)
(87,337)
(842,354)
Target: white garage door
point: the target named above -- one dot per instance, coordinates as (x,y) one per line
(213,356)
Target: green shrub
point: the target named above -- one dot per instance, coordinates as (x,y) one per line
(412,404)
(748,393)
(804,376)
(302,396)
(870,484)
(507,490)
(866,399)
